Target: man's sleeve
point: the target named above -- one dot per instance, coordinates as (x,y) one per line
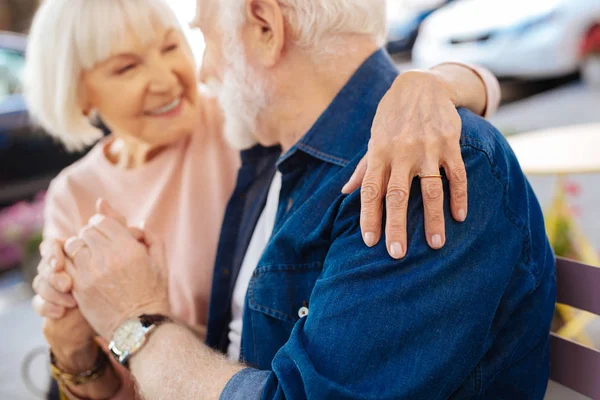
(409,329)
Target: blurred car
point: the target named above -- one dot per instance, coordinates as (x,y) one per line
(29,158)
(513,38)
(404,19)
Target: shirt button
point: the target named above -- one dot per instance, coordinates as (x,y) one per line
(290,204)
(303,312)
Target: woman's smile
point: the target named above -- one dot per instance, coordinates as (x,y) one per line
(169,110)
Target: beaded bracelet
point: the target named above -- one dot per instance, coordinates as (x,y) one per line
(81,378)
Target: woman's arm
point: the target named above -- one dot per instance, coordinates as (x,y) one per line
(416,132)
(476,88)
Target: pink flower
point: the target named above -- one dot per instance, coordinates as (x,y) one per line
(572,188)
(10,256)
(576,211)
(20,226)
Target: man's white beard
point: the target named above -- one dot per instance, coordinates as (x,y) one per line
(242,97)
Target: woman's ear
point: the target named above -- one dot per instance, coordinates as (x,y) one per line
(266,30)
(88,112)
(83,99)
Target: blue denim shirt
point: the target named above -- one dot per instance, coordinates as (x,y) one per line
(469,321)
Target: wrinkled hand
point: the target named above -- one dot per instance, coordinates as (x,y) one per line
(415,132)
(115,276)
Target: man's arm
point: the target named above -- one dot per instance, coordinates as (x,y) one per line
(176,365)
(418,324)
(413,328)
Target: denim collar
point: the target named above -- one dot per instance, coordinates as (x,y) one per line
(328,138)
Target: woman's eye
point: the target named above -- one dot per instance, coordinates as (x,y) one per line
(125,69)
(170,48)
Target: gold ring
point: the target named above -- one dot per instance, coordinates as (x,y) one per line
(74,254)
(429,176)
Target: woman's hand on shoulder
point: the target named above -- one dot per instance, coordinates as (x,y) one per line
(415,133)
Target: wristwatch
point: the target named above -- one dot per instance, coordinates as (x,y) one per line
(130,337)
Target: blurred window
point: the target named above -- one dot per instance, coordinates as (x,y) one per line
(186,11)
(11,72)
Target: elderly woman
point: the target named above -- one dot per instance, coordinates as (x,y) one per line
(167,164)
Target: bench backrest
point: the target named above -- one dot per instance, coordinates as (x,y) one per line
(574,365)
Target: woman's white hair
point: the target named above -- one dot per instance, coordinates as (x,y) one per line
(315,23)
(70,36)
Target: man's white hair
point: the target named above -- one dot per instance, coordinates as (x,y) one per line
(315,23)
(70,36)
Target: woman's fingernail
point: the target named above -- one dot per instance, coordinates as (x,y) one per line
(436,240)
(370,239)
(344,188)
(396,250)
(96,219)
(53,264)
(462,215)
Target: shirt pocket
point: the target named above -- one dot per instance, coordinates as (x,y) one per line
(281,291)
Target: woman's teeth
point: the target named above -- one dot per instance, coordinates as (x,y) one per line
(169,107)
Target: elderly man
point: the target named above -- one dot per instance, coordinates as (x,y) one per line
(309,311)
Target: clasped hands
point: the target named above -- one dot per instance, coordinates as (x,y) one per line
(115,273)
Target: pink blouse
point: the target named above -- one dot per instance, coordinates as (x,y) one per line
(181,195)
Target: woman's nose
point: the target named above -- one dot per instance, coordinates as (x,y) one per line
(163,79)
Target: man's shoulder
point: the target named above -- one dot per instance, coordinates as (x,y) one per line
(480,135)
(493,171)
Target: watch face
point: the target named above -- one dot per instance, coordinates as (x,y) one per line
(129,336)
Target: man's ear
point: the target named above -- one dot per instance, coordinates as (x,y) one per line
(267,29)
